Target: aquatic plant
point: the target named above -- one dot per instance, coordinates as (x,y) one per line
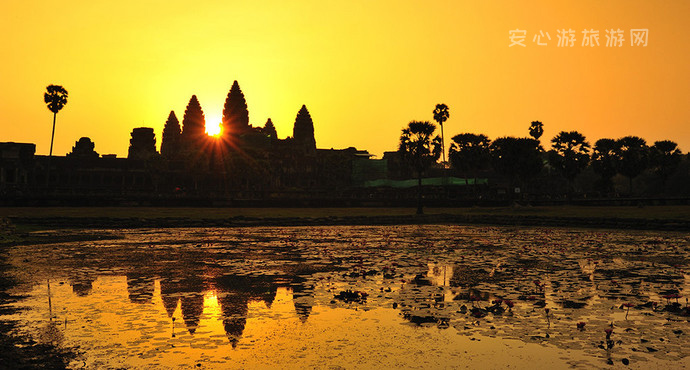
(609,341)
(627,305)
(349,296)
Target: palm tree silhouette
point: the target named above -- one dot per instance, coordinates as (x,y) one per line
(419,148)
(441,114)
(56,98)
(536,129)
(664,158)
(570,155)
(632,157)
(604,159)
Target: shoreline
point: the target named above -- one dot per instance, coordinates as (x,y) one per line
(94,222)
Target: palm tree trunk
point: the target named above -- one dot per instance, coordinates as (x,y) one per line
(419,193)
(443,146)
(52,136)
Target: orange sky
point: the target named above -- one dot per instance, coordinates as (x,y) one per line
(363,68)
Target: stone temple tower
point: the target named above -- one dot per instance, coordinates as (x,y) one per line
(142,145)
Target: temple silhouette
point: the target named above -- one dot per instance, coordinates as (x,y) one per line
(244,164)
(247,165)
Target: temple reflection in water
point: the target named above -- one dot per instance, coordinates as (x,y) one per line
(152,301)
(230,295)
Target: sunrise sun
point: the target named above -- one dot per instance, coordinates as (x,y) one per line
(213,126)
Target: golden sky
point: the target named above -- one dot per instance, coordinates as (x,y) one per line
(364,69)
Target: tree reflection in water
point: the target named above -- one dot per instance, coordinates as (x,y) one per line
(557,287)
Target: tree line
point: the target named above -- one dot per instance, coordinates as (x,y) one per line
(521,160)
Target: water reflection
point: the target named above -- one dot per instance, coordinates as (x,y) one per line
(160,293)
(303,299)
(82,284)
(139,287)
(229,294)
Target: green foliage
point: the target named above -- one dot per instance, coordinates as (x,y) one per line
(235,114)
(570,154)
(517,158)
